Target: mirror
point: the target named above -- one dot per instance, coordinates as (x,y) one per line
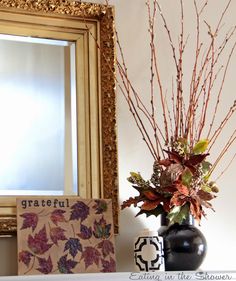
(57,103)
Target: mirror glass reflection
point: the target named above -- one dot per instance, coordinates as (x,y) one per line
(37,117)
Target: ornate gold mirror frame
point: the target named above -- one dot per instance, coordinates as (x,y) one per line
(87,25)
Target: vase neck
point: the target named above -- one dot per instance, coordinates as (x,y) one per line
(188,220)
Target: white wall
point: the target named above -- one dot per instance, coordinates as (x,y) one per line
(220,227)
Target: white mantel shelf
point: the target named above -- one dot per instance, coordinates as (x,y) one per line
(127,276)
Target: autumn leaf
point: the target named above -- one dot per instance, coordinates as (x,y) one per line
(38,244)
(174,156)
(205,195)
(200,146)
(195,159)
(45,266)
(79,211)
(108,266)
(90,256)
(178,199)
(74,246)
(30,220)
(150,205)
(101,229)
(25,257)
(56,234)
(107,247)
(100,207)
(178,214)
(65,266)
(131,201)
(85,232)
(196,210)
(58,216)
(187,177)
(183,189)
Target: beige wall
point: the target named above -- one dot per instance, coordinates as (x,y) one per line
(220,227)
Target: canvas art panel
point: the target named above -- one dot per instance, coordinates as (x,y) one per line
(64,235)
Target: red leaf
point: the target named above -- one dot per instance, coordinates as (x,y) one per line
(56,234)
(38,244)
(173,155)
(25,257)
(107,247)
(45,266)
(30,220)
(150,205)
(90,256)
(131,201)
(149,194)
(196,159)
(165,162)
(57,216)
(178,199)
(182,188)
(108,266)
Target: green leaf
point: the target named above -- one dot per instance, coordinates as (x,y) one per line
(178,214)
(206,166)
(136,178)
(206,188)
(200,146)
(187,177)
(184,144)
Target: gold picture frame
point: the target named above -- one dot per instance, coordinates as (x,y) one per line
(91,27)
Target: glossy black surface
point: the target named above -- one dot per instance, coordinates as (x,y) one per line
(184,246)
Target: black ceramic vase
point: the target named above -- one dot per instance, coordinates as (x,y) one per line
(184,245)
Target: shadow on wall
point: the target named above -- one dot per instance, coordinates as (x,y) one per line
(130,227)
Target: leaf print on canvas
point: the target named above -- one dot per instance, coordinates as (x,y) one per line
(25,257)
(79,211)
(74,246)
(75,238)
(101,229)
(66,265)
(107,247)
(85,232)
(57,234)
(100,207)
(57,216)
(91,256)
(45,265)
(30,220)
(108,266)
(39,243)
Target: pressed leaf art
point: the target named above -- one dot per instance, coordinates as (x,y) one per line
(59,235)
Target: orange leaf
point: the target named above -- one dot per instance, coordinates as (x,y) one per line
(182,188)
(150,195)
(150,205)
(178,199)
(130,201)
(196,210)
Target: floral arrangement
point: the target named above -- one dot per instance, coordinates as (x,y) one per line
(181,182)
